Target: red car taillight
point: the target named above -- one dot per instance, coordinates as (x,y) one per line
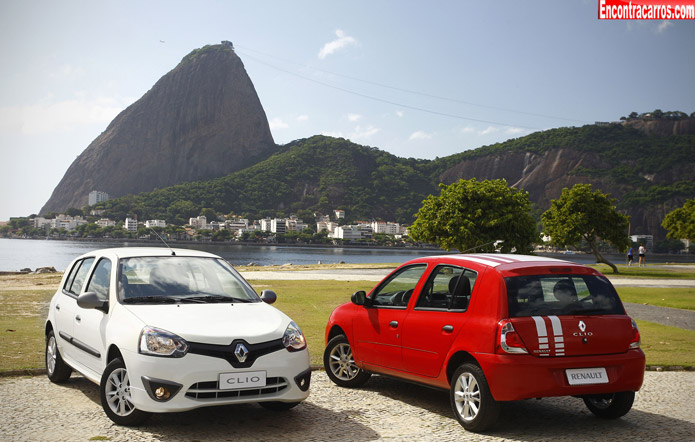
(509,340)
(636,341)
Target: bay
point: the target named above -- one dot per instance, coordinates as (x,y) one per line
(17,254)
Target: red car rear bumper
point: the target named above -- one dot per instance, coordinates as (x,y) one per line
(515,377)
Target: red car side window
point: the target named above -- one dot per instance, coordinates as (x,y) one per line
(398,289)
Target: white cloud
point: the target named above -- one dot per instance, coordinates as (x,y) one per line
(66,115)
(303,118)
(364,132)
(277,123)
(419,135)
(515,131)
(467,130)
(354,117)
(359,133)
(663,26)
(399,114)
(331,47)
(489,130)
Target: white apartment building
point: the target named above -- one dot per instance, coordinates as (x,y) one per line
(155,223)
(237,225)
(339,214)
(386,227)
(67,222)
(328,226)
(40,222)
(199,222)
(97,196)
(105,222)
(131,225)
(346,232)
(278,225)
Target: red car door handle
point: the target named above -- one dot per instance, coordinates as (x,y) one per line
(448,328)
(393,324)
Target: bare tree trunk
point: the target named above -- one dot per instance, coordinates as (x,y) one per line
(599,257)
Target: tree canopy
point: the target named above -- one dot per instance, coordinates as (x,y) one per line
(583,214)
(471,214)
(680,222)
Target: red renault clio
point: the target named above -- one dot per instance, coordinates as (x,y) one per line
(491,328)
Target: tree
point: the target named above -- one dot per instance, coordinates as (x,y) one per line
(680,222)
(477,215)
(583,214)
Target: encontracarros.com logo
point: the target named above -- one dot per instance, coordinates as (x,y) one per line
(646,10)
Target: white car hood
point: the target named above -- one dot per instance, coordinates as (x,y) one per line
(215,323)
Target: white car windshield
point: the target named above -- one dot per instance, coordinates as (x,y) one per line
(173,279)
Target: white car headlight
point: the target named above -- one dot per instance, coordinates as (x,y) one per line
(158,342)
(293,339)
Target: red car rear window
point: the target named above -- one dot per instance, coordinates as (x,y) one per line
(542,295)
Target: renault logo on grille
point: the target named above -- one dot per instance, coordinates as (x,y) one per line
(241,352)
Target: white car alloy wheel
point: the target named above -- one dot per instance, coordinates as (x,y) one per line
(51,355)
(118,392)
(115,396)
(57,370)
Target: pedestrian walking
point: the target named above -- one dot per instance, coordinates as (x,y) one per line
(642,258)
(629,257)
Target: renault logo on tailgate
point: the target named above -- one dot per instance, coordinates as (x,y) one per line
(241,352)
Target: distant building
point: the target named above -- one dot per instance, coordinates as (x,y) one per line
(326,225)
(199,222)
(131,224)
(339,214)
(105,222)
(67,222)
(155,223)
(97,196)
(647,240)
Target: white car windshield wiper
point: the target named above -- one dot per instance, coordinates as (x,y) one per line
(215,298)
(152,299)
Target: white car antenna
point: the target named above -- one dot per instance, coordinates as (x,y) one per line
(162,239)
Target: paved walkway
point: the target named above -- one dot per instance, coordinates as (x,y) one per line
(34,409)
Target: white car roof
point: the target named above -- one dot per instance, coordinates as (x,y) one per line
(133,252)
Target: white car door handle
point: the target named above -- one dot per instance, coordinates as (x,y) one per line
(78,318)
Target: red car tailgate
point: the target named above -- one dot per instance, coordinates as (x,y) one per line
(574,335)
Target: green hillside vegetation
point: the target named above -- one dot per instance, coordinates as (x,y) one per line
(315,174)
(323,173)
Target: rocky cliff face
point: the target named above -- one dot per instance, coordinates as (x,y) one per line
(201,120)
(545,174)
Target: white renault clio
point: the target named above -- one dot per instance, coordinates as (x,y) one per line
(164,330)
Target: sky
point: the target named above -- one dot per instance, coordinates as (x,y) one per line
(414,78)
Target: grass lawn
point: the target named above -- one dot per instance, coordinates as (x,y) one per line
(683,298)
(665,345)
(681,271)
(24,303)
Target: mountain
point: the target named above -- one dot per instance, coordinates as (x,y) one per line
(641,163)
(649,175)
(200,121)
